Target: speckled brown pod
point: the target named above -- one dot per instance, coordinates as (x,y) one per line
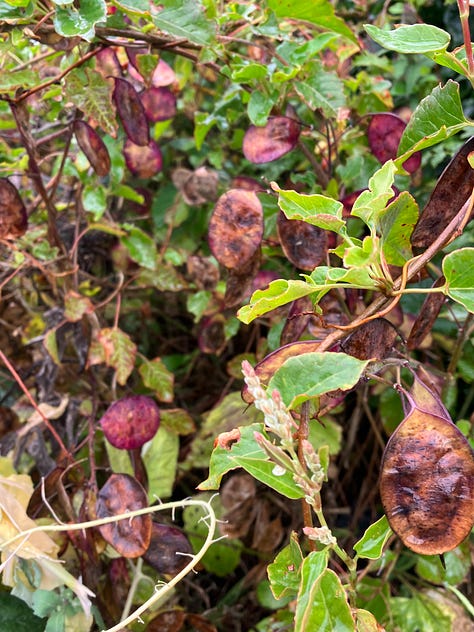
(427,483)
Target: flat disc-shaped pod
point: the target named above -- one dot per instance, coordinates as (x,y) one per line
(159,104)
(93,146)
(384,133)
(373,339)
(121,494)
(272,141)
(131,112)
(304,245)
(13,217)
(236,227)
(427,484)
(143,162)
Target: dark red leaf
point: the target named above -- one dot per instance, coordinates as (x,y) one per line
(304,245)
(169,551)
(373,339)
(93,146)
(143,162)
(452,190)
(236,227)
(159,104)
(13,217)
(384,133)
(122,494)
(131,421)
(274,140)
(163,75)
(131,112)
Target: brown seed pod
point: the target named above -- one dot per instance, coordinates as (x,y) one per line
(13,217)
(272,141)
(427,483)
(236,227)
(131,112)
(121,494)
(143,162)
(169,551)
(304,245)
(93,146)
(131,421)
(384,133)
(159,104)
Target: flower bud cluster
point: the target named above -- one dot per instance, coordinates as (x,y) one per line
(320,534)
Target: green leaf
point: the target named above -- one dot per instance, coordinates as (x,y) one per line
(94,200)
(178,421)
(419,613)
(371,544)
(156,376)
(71,21)
(119,460)
(11,81)
(141,247)
(321,603)
(318,12)
(16,14)
(76,305)
(322,90)
(431,568)
(17,615)
(50,343)
(316,209)
(160,458)
(458,270)
(451,60)
(371,202)
(185,19)
(328,433)
(248,71)
(414,38)
(437,117)
(118,351)
(259,107)
(279,292)
(90,92)
(45,602)
(134,6)
(457,563)
(284,571)
(246,453)
(365,621)
(396,224)
(313,374)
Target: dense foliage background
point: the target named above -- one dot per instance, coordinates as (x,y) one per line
(156,161)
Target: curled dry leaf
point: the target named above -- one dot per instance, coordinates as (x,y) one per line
(384,133)
(121,494)
(373,339)
(274,140)
(169,551)
(159,104)
(426,318)
(211,338)
(452,190)
(236,227)
(427,480)
(131,112)
(304,245)
(13,217)
(143,162)
(196,187)
(93,146)
(131,421)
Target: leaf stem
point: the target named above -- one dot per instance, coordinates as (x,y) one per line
(463,6)
(303,430)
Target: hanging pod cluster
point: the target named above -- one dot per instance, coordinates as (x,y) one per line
(427,476)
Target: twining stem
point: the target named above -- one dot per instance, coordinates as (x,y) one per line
(463,6)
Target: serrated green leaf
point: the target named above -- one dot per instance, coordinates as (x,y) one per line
(371,544)
(284,571)
(141,247)
(279,292)
(419,613)
(118,352)
(156,376)
(458,270)
(17,615)
(94,200)
(248,71)
(247,454)
(322,90)
(318,12)
(313,374)
(11,81)
(437,116)
(70,21)
(321,603)
(185,19)
(259,107)
(413,38)
(160,458)
(91,93)
(395,225)
(316,209)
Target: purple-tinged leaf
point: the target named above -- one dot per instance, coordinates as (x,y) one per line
(159,104)
(93,146)
(384,133)
(131,112)
(274,140)
(143,162)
